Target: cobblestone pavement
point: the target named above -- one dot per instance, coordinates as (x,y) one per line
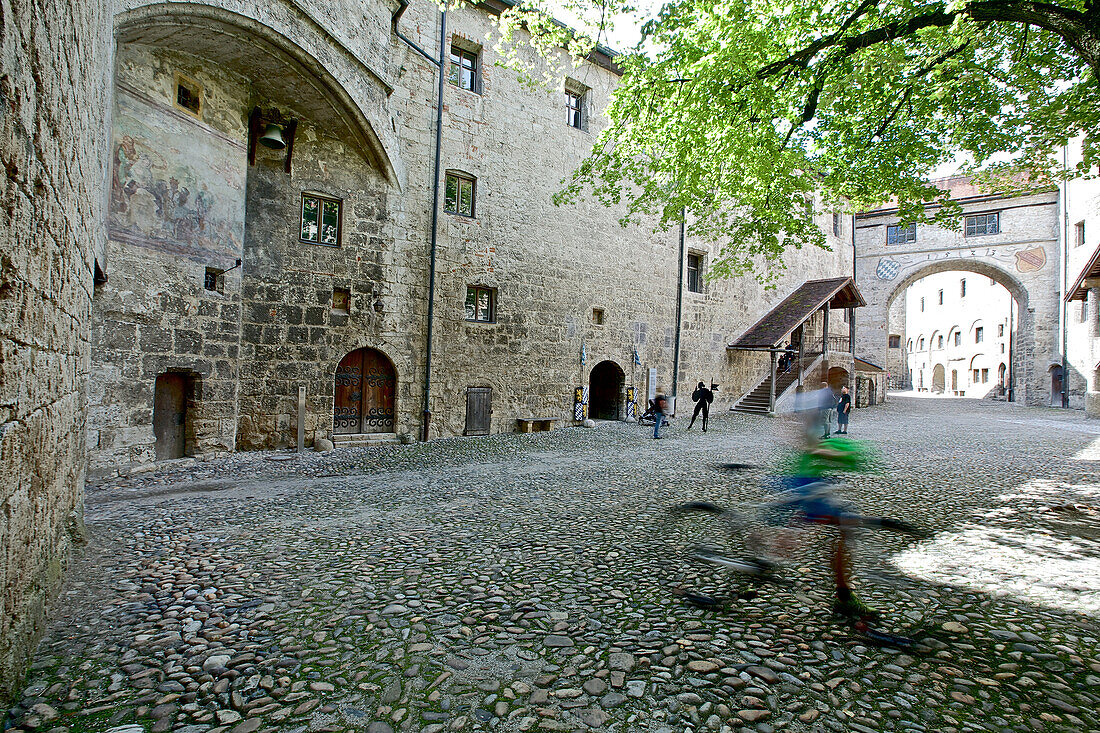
(515,582)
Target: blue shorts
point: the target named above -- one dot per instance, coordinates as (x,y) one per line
(811,497)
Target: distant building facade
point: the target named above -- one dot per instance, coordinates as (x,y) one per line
(957,330)
(1081,232)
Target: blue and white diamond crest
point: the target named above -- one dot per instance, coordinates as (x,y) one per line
(887,269)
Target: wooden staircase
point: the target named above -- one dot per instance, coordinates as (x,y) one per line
(758,401)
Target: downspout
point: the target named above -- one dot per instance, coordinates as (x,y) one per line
(441,65)
(1065,279)
(679,311)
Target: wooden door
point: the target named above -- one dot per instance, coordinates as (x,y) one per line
(363,398)
(170,415)
(479,410)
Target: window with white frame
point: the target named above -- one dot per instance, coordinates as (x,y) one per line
(458,194)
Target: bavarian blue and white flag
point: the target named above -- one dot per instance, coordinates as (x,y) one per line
(636,359)
(584,354)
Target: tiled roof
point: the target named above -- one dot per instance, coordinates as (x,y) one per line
(772,329)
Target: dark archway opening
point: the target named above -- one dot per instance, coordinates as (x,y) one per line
(363,398)
(605,391)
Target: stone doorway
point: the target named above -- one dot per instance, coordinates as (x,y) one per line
(1056,386)
(939,381)
(363,399)
(170,415)
(605,390)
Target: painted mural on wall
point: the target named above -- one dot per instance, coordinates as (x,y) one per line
(177,185)
(1024,259)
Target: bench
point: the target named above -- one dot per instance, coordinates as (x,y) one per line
(535,424)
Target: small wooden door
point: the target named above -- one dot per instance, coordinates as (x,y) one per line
(479,410)
(170,415)
(363,396)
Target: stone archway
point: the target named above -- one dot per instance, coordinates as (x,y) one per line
(1029,311)
(363,397)
(939,380)
(605,391)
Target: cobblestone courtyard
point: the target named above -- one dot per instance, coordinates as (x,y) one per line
(514,583)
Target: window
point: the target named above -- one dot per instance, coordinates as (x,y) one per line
(1002,348)
(1001,329)
(213,280)
(941,297)
(979,334)
(895,341)
(939,342)
(341,297)
(597,316)
(573,110)
(458,196)
(836,223)
(977,376)
(1079,234)
(901,235)
(695,273)
(1084,314)
(921,347)
(922,305)
(481,304)
(463,71)
(985,376)
(962,288)
(320,220)
(983,224)
(958,338)
(188,94)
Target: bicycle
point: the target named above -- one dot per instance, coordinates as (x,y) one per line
(715,548)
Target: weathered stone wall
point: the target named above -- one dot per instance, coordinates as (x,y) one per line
(53,98)
(291,335)
(551,267)
(176,208)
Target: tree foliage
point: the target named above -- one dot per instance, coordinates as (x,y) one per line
(744,113)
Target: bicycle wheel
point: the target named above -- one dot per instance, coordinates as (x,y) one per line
(709,552)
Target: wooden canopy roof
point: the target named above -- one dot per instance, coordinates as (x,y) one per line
(770,331)
(1079,290)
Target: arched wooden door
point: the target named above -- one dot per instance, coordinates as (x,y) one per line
(363,397)
(938,378)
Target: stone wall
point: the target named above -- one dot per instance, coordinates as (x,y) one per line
(53,97)
(568,281)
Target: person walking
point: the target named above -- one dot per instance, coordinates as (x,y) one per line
(660,406)
(843,410)
(702,398)
(826,403)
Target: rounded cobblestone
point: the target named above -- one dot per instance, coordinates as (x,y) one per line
(517,582)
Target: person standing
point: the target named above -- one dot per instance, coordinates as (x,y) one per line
(843,409)
(702,398)
(660,406)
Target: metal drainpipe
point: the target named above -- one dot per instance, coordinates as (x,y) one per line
(441,65)
(1065,279)
(679,311)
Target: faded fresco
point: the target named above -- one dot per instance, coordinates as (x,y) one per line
(176,185)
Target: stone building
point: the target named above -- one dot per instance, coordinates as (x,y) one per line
(1011,238)
(958,335)
(219,210)
(1081,235)
(532,304)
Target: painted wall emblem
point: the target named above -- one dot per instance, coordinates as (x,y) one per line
(887,269)
(1030,260)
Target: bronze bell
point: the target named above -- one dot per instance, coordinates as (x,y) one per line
(273,137)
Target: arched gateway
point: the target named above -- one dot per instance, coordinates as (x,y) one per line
(605,391)
(1009,238)
(363,398)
